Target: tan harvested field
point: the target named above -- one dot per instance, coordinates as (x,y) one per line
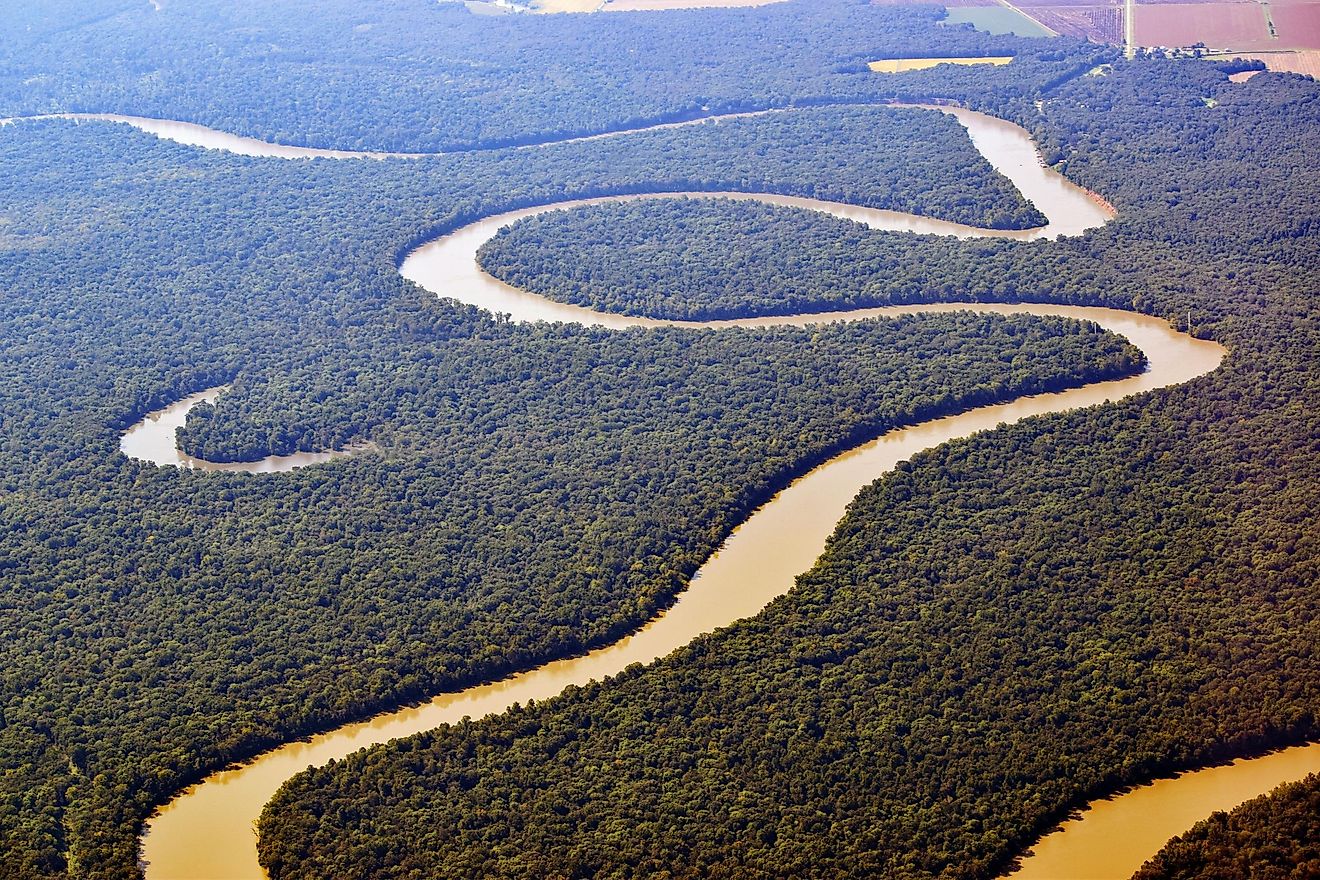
(1305,62)
(644,5)
(903,65)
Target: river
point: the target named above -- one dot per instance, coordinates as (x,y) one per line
(1116,835)
(152,439)
(207,831)
(193,135)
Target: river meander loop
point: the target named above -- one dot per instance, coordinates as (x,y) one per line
(207,831)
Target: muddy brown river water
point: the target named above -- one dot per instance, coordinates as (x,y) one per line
(207,831)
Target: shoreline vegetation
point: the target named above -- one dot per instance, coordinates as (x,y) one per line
(957,635)
(1074,605)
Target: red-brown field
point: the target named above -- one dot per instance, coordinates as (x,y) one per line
(1217,25)
(1101,23)
(1298,24)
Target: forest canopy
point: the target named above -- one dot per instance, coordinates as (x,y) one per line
(164,623)
(1008,626)
(415,75)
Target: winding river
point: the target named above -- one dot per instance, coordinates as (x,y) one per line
(193,135)
(207,831)
(153,439)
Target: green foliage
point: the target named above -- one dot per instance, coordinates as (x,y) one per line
(1273,837)
(416,75)
(1012,624)
(1007,627)
(539,489)
(702,259)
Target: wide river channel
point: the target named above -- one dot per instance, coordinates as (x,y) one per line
(207,831)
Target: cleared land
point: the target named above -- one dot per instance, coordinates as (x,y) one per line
(1228,24)
(1101,23)
(643,5)
(1298,24)
(1306,62)
(902,65)
(1217,25)
(566,5)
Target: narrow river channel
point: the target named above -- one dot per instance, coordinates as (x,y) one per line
(207,831)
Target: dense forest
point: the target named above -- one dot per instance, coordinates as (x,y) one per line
(417,75)
(702,259)
(537,489)
(1008,626)
(1274,837)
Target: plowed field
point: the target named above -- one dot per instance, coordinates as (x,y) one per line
(1217,25)
(1298,24)
(1307,62)
(1101,23)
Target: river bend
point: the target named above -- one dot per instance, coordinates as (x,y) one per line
(208,830)
(193,135)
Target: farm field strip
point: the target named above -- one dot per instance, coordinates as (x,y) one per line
(902,65)
(1226,25)
(1306,62)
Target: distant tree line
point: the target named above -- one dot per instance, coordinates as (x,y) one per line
(414,75)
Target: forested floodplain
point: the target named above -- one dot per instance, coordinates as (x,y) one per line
(1009,625)
(699,259)
(209,828)
(418,76)
(528,498)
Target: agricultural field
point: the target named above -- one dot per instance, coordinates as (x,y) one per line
(1217,25)
(1297,24)
(643,5)
(1102,23)
(1244,25)
(1262,27)
(566,5)
(903,65)
(1306,62)
(952,4)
